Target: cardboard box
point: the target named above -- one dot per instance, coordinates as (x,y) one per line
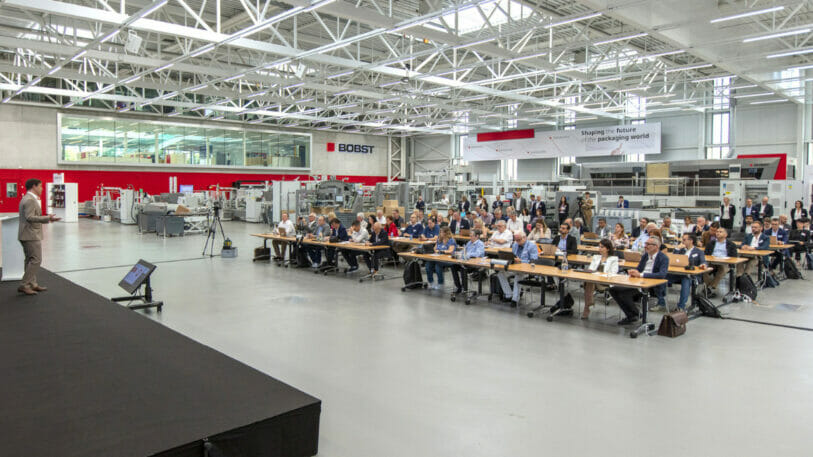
(391,203)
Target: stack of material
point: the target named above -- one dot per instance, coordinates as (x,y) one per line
(390,206)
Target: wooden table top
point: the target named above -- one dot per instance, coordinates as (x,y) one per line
(621,280)
(411,241)
(340,245)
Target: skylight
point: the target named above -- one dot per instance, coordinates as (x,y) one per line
(470,20)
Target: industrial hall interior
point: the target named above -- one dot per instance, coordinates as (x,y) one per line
(402,228)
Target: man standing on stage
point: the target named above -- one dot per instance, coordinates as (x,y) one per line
(30,235)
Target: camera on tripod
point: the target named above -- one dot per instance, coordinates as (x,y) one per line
(217,206)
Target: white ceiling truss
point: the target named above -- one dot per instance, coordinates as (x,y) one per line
(401,67)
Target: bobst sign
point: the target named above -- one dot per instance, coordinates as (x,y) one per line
(352,148)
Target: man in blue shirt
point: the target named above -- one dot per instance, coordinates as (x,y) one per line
(414,229)
(782,236)
(720,247)
(622,203)
(474,249)
(322,230)
(653,264)
(524,252)
(431,231)
(696,259)
(756,240)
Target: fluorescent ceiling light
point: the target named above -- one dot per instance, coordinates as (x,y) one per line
(711,78)
(202,50)
(198,87)
(304,100)
(761,94)
(575,19)
(763,102)
(802,67)
(153,8)
(691,67)
(790,53)
(294,85)
(164,67)
(80,54)
(604,80)
(339,75)
(232,78)
(655,97)
(665,53)
(475,43)
(131,79)
(347,105)
(632,89)
(174,113)
(776,35)
(54,70)
(747,14)
(345,92)
(109,36)
(391,83)
(623,38)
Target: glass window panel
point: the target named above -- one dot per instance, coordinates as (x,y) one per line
(87,139)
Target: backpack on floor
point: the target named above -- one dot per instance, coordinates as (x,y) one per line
(771,281)
(808,261)
(413,278)
(791,270)
(569,302)
(746,286)
(494,286)
(301,256)
(706,307)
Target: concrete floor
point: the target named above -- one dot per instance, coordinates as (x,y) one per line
(412,374)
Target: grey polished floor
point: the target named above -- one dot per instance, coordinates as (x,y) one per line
(412,374)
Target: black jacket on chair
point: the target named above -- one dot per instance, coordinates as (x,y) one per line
(572,245)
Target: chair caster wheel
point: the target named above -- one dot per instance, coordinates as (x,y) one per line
(425,285)
(468,302)
(403,289)
(549,318)
(361,280)
(454,298)
(633,335)
(530,314)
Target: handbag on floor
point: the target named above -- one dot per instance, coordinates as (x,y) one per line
(791,271)
(413,278)
(673,324)
(746,286)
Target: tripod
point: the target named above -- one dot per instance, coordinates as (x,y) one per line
(211,234)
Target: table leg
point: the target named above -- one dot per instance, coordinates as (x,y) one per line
(561,308)
(645,327)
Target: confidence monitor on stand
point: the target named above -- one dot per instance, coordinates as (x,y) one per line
(137,276)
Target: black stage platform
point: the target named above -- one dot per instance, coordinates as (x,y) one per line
(81,376)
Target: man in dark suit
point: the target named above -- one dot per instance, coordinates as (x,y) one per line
(748,209)
(636,231)
(497,203)
(756,240)
(782,235)
(458,224)
(765,210)
(29,235)
(800,237)
(420,204)
(377,238)
(602,230)
(520,202)
(538,204)
(727,213)
(622,203)
(696,259)
(720,247)
(337,233)
(653,264)
(565,243)
(463,205)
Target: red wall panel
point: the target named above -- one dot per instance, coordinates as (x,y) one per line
(153,182)
(781,169)
(505,135)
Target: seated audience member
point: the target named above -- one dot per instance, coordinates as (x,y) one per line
(710,235)
(310,225)
(619,237)
(474,248)
(377,238)
(337,234)
(433,214)
(666,228)
(746,226)
(414,229)
(800,237)
(502,237)
(458,223)
(525,218)
(641,228)
(524,252)
(602,229)
(756,240)
(287,227)
(622,203)
(470,217)
(362,220)
(783,222)
(358,234)
(431,231)
(700,227)
(578,227)
(781,236)
(565,241)
(321,231)
(640,242)
(498,216)
(540,231)
(514,224)
(397,219)
(479,225)
(487,218)
(605,261)
(653,264)
(379,217)
(688,225)
(392,227)
(445,245)
(538,215)
(697,258)
(720,247)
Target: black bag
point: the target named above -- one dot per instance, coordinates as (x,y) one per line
(808,261)
(334,239)
(706,307)
(494,286)
(413,279)
(791,271)
(301,255)
(262,254)
(568,305)
(746,286)
(771,281)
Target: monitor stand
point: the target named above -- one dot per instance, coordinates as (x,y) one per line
(145,299)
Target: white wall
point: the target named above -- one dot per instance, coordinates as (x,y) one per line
(29,140)
(766,129)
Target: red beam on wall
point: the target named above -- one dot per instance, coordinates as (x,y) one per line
(152,182)
(506,135)
(781,169)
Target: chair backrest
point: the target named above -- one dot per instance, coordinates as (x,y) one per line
(547,249)
(591,236)
(677,260)
(737,236)
(632,256)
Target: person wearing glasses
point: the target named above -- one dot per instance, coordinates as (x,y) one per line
(654,264)
(474,248)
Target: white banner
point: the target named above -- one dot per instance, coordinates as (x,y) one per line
(587,142)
